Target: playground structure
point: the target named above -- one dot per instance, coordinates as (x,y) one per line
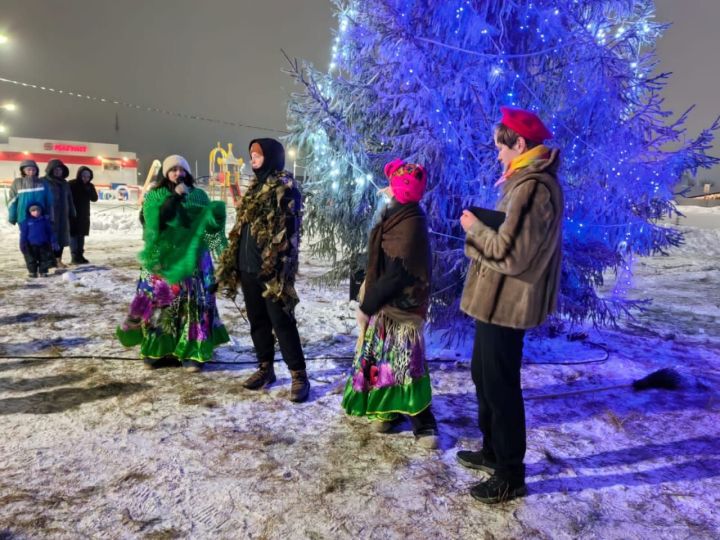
(149,179)
(225,177)
(226,172)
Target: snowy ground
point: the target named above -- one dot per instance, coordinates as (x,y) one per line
(97,447)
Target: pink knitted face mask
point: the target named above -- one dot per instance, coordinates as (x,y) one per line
(408,180)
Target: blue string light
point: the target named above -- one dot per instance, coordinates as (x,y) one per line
(426,85)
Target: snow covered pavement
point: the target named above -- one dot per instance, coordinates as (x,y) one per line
(94,446)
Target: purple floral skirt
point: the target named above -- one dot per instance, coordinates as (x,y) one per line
(390,374)
(179,320)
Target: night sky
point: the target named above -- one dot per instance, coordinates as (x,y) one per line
(221,59)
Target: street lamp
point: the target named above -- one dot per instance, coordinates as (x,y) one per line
(292,154)
(7,106)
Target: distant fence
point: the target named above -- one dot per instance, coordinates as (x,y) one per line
(106,192)
(118,192)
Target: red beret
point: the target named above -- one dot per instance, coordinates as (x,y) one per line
(525,123)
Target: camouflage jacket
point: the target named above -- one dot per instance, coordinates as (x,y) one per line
(273,211)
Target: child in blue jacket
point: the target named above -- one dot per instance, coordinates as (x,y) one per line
(37,241)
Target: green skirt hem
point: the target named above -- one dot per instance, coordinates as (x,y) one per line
(386,403)
(152,346)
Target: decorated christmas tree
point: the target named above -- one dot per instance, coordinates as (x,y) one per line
(424,81)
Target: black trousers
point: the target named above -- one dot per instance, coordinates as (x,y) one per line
(77,247)
(39,258)
(495,367)
(266,317)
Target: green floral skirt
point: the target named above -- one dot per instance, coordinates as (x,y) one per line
(180,320)
(390,374)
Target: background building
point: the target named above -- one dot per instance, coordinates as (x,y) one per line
(109,165)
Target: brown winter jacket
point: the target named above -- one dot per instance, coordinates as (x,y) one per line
(514,277)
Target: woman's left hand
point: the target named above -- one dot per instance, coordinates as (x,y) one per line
(467,220)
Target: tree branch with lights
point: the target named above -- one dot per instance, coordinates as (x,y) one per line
(424,80)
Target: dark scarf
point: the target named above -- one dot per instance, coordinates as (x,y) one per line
(403,234)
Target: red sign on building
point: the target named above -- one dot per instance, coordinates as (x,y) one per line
(62,147)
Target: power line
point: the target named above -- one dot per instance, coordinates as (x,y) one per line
(136,107)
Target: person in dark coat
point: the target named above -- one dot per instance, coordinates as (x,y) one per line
(56,174)
(37,241)
(83,193)
(390,376)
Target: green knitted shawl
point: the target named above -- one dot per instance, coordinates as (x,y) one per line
(174,252)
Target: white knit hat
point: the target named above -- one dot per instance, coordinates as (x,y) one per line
(175,161)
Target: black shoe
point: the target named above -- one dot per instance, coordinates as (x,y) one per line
(83,260)
(156,363)
(475,460)
(32,274)
(497,490)
(44,274)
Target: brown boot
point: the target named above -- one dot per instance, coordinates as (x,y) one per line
(300,387)
(264,376)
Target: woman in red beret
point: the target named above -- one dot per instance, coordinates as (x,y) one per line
(511,286)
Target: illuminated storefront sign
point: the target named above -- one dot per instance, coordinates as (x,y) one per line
(64,147)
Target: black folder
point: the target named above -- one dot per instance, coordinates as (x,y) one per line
(491,218)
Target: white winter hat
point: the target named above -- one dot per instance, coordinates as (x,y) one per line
(175,161)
